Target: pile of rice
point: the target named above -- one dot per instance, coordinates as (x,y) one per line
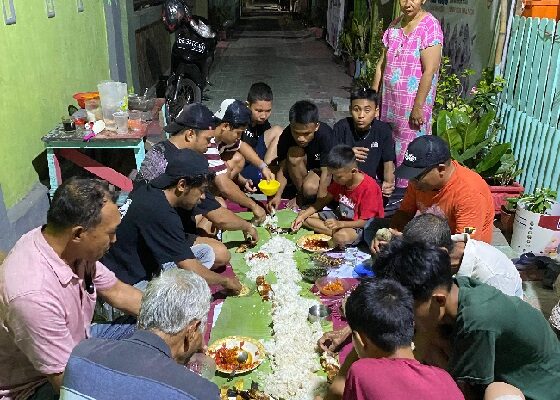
(292,348)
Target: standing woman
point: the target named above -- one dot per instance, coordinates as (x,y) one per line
(408,74)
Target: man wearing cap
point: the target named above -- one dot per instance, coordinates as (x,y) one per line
(441,186)
(151,235)
(188,132)
(209,214)
(229,148)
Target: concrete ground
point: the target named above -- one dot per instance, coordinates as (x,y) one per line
(287,57)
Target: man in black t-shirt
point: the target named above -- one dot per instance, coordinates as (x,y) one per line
(371,139)
(151,236)
(194,133)
(303,148)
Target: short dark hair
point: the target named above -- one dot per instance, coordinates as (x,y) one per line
(182,131)
(194,181)
(420,267)
(236,125)
(429,228)
(341,156)
(364,93)
(259,91)
(383,310)
(304,112)
(78,202)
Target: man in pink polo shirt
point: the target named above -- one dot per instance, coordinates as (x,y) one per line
(48,289)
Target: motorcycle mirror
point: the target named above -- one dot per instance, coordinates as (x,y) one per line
(227,24)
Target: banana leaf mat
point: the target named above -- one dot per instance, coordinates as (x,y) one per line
(249,316)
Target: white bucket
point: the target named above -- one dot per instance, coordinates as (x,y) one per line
(536,233)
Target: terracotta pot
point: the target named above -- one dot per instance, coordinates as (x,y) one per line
(501,193)
(507,217)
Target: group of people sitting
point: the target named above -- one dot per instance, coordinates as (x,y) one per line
(154,257)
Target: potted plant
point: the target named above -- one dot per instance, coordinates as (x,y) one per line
(536,228)
(507,216)
(468,122)
(361,42)
(473,144)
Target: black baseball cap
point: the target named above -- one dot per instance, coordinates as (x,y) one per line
(234,112)
(186,163)
(423,153)
(194,116)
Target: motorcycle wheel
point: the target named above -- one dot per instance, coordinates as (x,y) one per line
(186,92)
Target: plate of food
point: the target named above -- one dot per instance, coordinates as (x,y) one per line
(329,286)
(225,353)
(315,243)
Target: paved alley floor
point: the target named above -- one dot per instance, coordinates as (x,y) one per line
(295,64)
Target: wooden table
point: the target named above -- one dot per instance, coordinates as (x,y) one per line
(59,143)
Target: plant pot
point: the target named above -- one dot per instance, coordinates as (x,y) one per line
(351,67)
(507,217)
(536,233)
(501,193)
(542,9)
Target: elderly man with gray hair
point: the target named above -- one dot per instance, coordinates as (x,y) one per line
(150,364)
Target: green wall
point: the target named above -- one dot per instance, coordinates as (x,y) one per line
(44,61)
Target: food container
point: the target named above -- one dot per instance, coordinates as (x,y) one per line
(332,286)
(319,313)
(81,97)
(141,103)
(93,110)
(113,99)
(135,120)
(269,188)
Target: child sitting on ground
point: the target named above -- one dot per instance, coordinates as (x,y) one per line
(358,197)
(302,152)
(227,149)
(371,139)
(381,316)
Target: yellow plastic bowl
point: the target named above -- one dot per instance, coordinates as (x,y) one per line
(269,187)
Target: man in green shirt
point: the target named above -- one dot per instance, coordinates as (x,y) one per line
(493,337)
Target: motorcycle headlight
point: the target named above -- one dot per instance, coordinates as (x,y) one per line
(202,29)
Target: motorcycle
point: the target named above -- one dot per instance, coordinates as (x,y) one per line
(191,57)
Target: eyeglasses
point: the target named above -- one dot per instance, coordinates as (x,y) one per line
(423,174)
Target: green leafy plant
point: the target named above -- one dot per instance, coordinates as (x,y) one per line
(450,94)
(361,41)
(473,143)
(538,202)
(484,94)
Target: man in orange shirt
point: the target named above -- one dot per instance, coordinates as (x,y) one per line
(443,187)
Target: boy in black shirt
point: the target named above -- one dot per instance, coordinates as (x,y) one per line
(260,135)
(371,139)
(303,148)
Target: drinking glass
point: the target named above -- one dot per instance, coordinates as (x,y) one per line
(121,120)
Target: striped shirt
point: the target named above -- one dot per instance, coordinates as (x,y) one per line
(213,155)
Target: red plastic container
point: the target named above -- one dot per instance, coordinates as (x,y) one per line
(542,9)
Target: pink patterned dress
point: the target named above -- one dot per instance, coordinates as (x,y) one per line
(401,78)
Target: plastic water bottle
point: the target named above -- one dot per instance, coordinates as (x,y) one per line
(350,254)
